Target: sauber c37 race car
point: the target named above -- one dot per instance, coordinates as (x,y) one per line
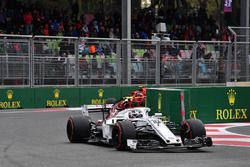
(129,127)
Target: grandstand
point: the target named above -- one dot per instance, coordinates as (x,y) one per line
(183,21)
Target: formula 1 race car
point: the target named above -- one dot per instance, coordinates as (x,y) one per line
(132,128)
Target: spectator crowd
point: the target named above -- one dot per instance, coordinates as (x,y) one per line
(181,25)
(38,21)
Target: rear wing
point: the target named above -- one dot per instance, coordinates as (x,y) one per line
(95,108)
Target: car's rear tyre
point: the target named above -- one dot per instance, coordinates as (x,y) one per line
(121,132)
(191,129)
(78,129)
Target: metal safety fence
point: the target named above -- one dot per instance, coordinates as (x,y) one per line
(34,61)
(241,56)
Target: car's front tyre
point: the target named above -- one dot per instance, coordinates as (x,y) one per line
(122,131)
(191,130)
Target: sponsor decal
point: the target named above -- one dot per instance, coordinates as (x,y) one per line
(10,104)
(231,113)
(100,99)
(159,102)
(9,94)
(228,6)
(192,114)
(100,93)
(56,102)
(56,93)
(231,97)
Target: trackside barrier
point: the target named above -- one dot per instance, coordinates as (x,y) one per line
(209,104)
(51,61)
(167,101)
(54,97)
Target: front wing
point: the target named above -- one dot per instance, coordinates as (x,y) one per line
(195,143)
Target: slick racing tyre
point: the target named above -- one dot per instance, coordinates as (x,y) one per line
(121,132)
(192,128)
(78,129)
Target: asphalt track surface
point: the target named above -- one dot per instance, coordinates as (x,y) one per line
(38,139)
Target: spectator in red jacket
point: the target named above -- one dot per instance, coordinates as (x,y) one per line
(27,18)
(46,30)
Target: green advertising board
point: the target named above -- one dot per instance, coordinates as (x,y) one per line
(166,101)
(220,104)
(16,98)
(56,97)
(209,104)
(99,95)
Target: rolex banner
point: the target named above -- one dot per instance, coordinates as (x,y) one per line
(228,6)
(16,98)
(211,105)
(220,104)
(24,98)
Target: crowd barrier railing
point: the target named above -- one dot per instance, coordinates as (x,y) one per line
(35,61)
